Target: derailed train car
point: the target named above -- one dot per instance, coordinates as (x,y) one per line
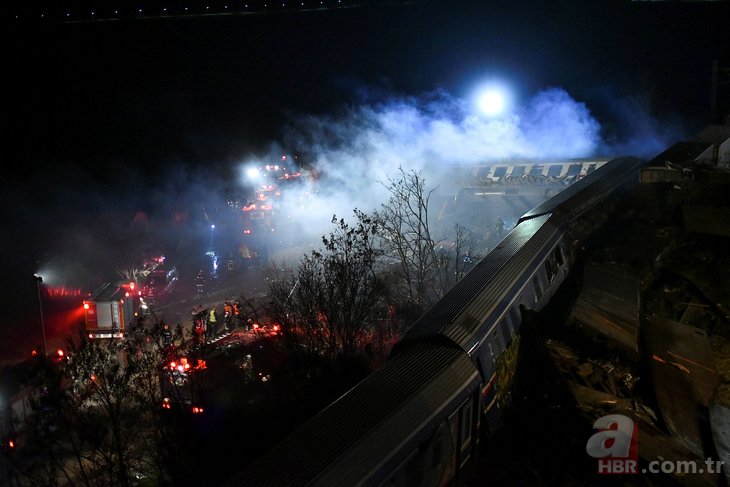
(416,420)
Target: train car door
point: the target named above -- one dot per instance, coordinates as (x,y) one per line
(464,425)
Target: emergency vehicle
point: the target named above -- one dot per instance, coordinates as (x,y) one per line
(110,308)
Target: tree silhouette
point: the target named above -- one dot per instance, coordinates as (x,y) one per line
(334,297)
(95,416)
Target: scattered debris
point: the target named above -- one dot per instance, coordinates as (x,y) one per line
(607,307)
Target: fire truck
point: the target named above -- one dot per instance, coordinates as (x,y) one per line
(110,308)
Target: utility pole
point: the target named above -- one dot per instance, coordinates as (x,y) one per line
(38,279)
(720,78)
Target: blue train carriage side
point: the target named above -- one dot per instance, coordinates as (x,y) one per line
(416,420)
(481,313)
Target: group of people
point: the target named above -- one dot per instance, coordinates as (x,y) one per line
(233,315)
(206,323)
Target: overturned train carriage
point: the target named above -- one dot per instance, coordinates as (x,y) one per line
(416,420)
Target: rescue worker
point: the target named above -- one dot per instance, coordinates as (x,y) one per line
(212,323)
(199,325)
(166,335)
(237,315)
(227,316)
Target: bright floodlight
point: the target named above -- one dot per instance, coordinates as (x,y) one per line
(492,101)
(253,173)
(492,98)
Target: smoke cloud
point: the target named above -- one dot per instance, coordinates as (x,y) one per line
(90,225)
(357,150)
(79,226)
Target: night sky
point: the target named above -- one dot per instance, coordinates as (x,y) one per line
(113,117)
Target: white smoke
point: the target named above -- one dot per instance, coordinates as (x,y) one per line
(359,149)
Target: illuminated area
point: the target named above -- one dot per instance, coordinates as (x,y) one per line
(280,203)
(491,103)
(353,152)
(136,134)
(108,309)
(61,291)
(493,100)
(253,173)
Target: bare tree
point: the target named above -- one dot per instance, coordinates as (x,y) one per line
(456,257)
(131,273)
(289,290)
(405,228)
(465,249)
(97,417)
(334,296)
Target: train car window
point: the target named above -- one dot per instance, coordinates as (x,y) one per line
(514,316)
(498,343)
(536,171)
(538,289)
(400,474)
(500,171)
(518,171)
(441,449)
(466,426)
(432,459)
(554,171)
(506,331)
(558,253)
(550,269)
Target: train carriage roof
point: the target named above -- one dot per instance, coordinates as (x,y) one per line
(573,200)
(484,286)
(390,405)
